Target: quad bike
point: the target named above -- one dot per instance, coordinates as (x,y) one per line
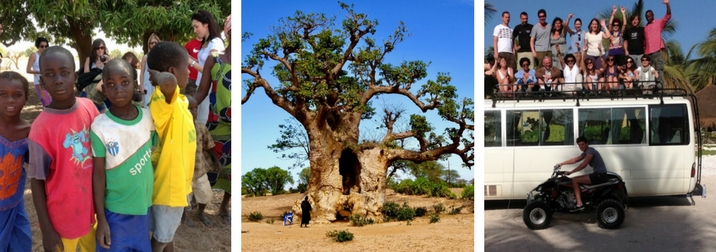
(556,194)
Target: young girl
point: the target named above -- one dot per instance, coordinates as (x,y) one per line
(615,34)
(33,67)
(505,76)
(626,73)
(593,42)
(15,234)
(611,74)
(557,39)
(206,28)
(592,75)
(576,38)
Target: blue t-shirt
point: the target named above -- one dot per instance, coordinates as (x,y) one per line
(597,163)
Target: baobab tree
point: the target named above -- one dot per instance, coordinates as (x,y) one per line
(327,76)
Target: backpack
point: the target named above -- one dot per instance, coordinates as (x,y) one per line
(85,79)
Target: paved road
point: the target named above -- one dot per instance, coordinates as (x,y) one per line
(651,224)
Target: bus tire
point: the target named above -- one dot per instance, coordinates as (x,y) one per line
(537,215)
(610,214)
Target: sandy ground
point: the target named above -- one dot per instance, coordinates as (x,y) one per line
(214,238)
(668,223)
(452,233)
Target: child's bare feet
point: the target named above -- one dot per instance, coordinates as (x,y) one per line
(186,220)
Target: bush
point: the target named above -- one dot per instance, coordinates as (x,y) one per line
(406,213)
(420,211)
(455,210)
(390,210)
(423,186)
(439,208)
(434,218)
(468,192)
(269,221)
(340,236)
(359,221)
(256,216)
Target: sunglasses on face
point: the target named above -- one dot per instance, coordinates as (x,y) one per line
(153,43)
(101,48)
(43,46)
(525,65)
(590,63)
(611,59)
(644,60)
(570,61)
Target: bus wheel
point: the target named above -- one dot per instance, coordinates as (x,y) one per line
(537,215)
(610,214)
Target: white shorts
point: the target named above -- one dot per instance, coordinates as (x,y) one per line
(201,189)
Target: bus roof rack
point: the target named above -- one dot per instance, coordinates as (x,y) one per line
(620,94)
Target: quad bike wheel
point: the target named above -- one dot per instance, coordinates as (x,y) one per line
(537,215)
(610,214)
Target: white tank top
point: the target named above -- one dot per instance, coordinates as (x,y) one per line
(36,67)
(570,75)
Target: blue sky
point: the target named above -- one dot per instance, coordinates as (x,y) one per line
(442,33)
(689,15)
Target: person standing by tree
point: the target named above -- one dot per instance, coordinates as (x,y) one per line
(98,56)
(654,44)
(522,33)
(206,28)
(634,40)
(502,41)
(145,87)
(576,38)
(33,67)
(192,47)
(218,74)
(305,212)
(539,38)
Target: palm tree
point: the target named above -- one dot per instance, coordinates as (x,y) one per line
(703,69)
(489,11)
(676,73)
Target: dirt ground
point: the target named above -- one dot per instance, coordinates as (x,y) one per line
(452,233)
(214,238)
(667,223)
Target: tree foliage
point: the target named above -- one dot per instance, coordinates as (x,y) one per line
(259,181)
(73,22)
(293,136)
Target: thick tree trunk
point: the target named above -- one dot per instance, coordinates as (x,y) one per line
(346,182)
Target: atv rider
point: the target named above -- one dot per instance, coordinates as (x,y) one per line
(592,158)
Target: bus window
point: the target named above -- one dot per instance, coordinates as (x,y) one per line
(669,125)
(539,127)
(493,124)
(613,126)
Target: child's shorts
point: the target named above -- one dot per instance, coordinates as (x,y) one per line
(128,232)
(164,222)
(201,189)
(85,243)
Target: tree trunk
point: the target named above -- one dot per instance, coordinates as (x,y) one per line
(345,182)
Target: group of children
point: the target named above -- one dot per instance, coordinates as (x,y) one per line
(125,173)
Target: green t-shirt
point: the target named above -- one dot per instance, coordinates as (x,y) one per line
(127,148)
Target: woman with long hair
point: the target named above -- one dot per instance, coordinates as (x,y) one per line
(505,77)
(216,83)
(593,43)
(98,56)
(557,38)
(33,67)
(615,34)
(592,75)
(206,28)
(145,87)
